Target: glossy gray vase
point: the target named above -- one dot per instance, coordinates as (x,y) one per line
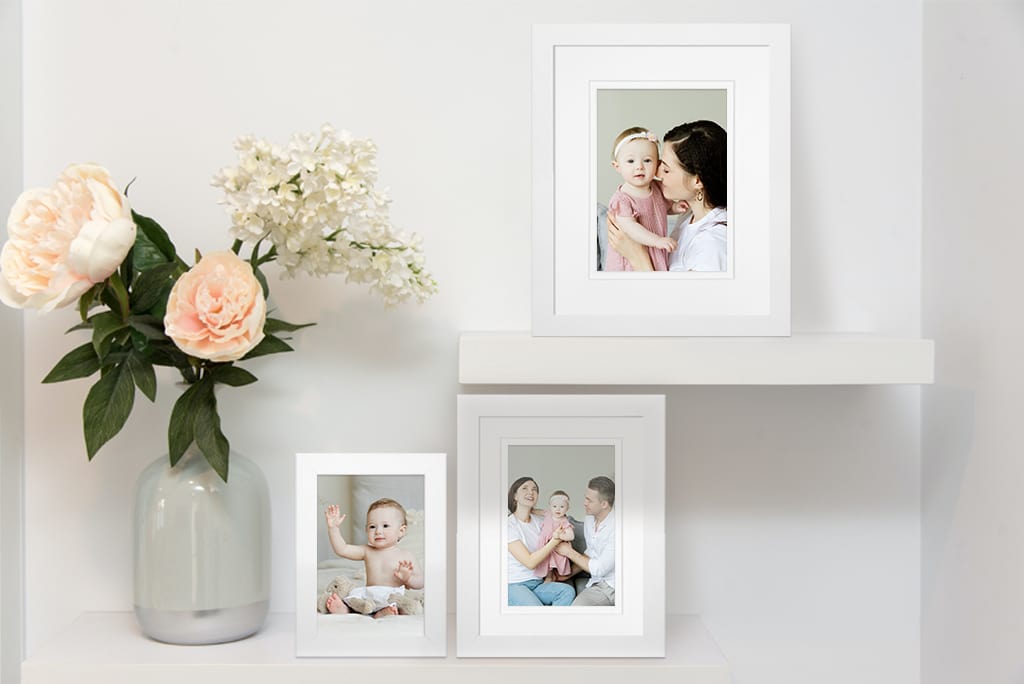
(202,550)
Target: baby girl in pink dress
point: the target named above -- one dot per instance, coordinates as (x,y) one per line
(639,207)
(556,567)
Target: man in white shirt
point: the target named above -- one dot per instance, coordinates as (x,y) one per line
(599,531)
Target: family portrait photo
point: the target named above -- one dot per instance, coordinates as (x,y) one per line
(560,533)
(561,518)
(661,180)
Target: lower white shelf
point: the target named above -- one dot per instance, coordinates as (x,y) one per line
(109,648)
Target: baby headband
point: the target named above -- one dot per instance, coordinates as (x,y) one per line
(559,496)
(634,136)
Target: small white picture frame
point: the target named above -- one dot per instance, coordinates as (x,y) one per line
(591,81)
(568,443)
(354,482)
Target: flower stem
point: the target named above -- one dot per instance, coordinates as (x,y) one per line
(271,255)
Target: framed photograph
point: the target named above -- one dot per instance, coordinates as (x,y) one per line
(561,530)
(679,134)
(370,547)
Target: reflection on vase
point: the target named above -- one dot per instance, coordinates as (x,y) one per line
(202,550)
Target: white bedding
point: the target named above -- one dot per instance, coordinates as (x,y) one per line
(353,623)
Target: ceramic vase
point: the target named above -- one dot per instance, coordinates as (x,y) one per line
(202,550)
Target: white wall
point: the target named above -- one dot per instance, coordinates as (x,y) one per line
(12,413)
(794,512)
(973,519)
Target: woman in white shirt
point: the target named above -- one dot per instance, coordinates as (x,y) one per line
(523,534)
(692,170)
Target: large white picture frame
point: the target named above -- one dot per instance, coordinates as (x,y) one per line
(561,443)
(354,482)
(745,70)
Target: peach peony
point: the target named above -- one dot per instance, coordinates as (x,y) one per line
(216,310)
(62,240)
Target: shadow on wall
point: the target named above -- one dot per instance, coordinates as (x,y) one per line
(948,431)
(807,453)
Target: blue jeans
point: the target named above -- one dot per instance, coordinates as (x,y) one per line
(537,592)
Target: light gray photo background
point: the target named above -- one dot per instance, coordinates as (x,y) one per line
(657,110)
(353,494)
(566,467)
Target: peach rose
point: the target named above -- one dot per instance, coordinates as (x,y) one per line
(216,310)
(62,240)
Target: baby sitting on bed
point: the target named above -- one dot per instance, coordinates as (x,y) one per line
(389,569)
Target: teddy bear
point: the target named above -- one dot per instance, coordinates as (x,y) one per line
(410,603)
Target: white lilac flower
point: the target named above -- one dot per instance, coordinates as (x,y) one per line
(314,200)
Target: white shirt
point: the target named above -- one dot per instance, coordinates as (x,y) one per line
(600,548)
(703,245)
(529,534)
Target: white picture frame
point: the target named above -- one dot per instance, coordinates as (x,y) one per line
(572,67)
(354,479)
(490,427)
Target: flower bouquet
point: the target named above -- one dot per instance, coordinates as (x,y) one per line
(310,206)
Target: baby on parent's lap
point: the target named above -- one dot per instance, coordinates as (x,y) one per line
(541,556)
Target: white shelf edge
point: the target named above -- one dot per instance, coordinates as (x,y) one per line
(517,358)
(109,648)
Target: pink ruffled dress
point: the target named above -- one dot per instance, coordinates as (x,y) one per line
(555,561)
(651,212)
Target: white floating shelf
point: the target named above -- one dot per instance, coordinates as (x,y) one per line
(108,648)
(516,358)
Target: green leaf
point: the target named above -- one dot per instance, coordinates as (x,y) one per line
(107,407)
(269,345)
(232,376)
(146,255)
(274,325)
(109,300)
(80,362)
(116,285)
(262,279)
(209,438)
(181,429)
(143,375)
(128,268)
(156,236)
(113,359)
(153,286)
(141,345)
(86,301)
(150,326)
(169,355)
(104,325)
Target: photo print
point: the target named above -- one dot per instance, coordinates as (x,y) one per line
(370,540)
(560,534)
(660,169)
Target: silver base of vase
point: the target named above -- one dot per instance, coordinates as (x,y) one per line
(193,627)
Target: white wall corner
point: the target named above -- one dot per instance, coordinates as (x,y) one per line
(12,412)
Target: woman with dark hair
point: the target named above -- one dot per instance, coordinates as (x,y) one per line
(524,554)
(692,170)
